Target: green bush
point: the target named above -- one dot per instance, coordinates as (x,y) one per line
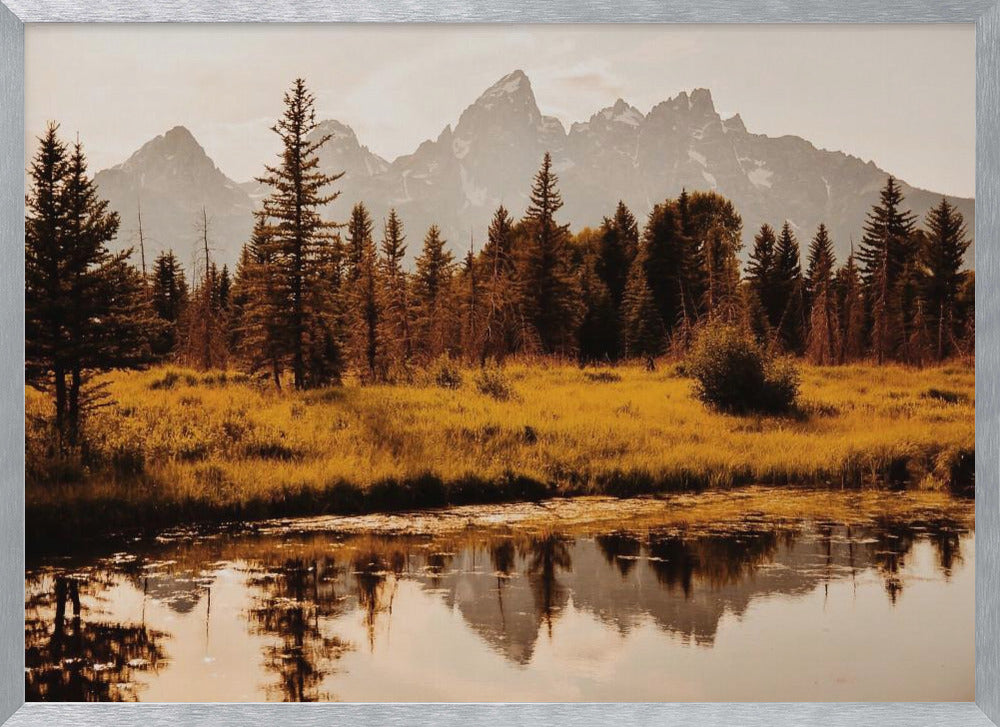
(734,374)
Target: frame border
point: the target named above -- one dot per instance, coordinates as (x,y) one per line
(986,16)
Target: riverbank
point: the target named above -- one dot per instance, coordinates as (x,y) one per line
(183,447)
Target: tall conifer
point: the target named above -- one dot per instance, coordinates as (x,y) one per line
(548,287)
(299,241)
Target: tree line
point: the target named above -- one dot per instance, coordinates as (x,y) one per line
(311,300)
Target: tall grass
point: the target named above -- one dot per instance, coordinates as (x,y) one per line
(181,445)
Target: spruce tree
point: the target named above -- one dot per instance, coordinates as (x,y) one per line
(260,298)
(111,323)
(820,261)
(359,233)
(789,289)
(224,289)
(885,253)
(432,287)
(762,276)
(86,309)
(667,260)
(364,295)
(169,298)
(548,287)
(599,326)
(713,229)
(501,316)
(471,306)
(368,302)
(850,311)
(644,334)
(45,266)
(299,241)
(941,275)
(397,309)
(823,338)
(619,243)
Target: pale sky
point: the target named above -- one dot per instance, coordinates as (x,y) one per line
(903,96)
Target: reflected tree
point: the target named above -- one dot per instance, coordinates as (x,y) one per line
(294,603)
(546,556)
(70,657)
(620,550)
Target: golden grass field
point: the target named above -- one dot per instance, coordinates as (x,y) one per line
(180,445)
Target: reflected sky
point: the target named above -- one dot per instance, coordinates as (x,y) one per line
(814,612)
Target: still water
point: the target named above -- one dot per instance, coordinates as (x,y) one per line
(803,612)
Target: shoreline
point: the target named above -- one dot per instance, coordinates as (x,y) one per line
(759,505)
(180,447)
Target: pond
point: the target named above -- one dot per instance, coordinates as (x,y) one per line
(749,610)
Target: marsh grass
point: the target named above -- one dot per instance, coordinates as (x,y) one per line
(180,446)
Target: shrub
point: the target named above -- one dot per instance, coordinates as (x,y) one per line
(734,374)
(445,373)
(492,382)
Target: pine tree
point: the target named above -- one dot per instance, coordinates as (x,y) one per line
(823,339)
(643,329)
(501,314)
(359,233)
(850,311)
(224,289)
(432,287)
(300,240)
(599,327)
(548,290)
(45,305)
(941,278)
(820,261)
(713,229)
(471,305)
(397,310)
(619,244)
(169,298)
(885,253)
(789,290)
(364,295)
(721,275)
(86,310)
(260,299)
(367,299)
(667,260)
(766,301)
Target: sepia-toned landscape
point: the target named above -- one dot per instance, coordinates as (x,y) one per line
(597,414)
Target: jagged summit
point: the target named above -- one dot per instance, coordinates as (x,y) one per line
(177,145)
(735,123)
(180,134)
(514,82)
(491,153)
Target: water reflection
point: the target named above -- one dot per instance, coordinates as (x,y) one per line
(73,657)
(293,601)
(313,604)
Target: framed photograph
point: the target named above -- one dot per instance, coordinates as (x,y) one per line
(537,363)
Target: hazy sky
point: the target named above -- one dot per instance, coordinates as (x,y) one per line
(903,96)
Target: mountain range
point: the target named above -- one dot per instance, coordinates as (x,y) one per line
(489,158)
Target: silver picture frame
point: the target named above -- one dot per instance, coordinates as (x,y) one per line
(985,14)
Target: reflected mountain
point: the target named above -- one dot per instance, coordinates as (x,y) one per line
(510,589)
